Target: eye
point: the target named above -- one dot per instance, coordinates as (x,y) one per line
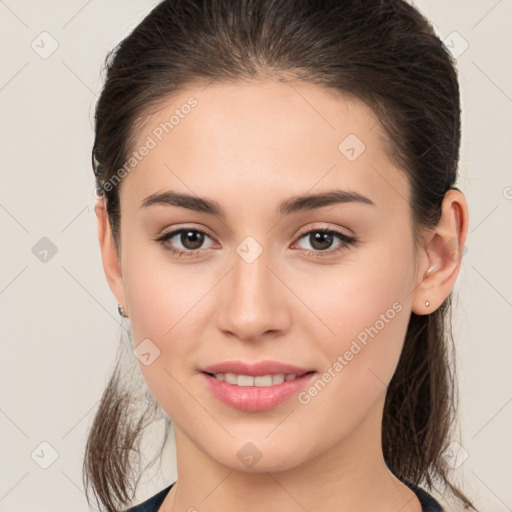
(190,238)
(322,239)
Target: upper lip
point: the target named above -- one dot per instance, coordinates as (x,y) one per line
(256,369)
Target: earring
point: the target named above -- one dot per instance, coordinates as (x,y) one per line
(432,269)
(120,309)
(427,303)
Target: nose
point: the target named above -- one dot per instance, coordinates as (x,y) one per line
(252,300)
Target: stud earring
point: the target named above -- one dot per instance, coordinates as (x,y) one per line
(432,269)
(427,303)
(121,311)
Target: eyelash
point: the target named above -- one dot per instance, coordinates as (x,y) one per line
(346,242)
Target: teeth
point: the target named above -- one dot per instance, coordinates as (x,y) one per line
(259,381)
(278,378)
(230,378)
(245,380)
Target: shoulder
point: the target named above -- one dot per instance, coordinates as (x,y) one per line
(151,504)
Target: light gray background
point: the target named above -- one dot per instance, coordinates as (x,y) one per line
(59,322)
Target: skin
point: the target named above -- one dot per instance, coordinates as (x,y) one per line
(250,146)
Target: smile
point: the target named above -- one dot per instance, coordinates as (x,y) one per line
(255,393)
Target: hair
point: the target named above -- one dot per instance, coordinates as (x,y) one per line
(383,52)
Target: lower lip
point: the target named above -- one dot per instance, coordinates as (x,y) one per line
(255,398)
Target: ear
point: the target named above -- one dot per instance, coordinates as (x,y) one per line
(109,254)
(441,255)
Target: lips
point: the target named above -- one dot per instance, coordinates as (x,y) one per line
(247,387)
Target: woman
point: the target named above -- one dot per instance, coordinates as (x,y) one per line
(278,219)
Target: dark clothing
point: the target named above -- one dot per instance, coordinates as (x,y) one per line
(428,503)
(152,504)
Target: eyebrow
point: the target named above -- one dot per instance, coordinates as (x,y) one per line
(289,206)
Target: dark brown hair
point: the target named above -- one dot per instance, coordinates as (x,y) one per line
(383,52)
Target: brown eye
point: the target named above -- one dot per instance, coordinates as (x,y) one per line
(194,238)
(191,240)
(321,241)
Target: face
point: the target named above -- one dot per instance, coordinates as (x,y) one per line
(322,285)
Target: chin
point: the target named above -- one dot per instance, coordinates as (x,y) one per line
(260,456)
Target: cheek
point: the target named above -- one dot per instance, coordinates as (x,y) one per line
(360,358)
(364,314)
(160,293)
(166,303)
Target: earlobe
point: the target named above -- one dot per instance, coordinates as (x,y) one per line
(443,250)
(109,254)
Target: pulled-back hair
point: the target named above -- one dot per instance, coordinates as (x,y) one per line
(383,52)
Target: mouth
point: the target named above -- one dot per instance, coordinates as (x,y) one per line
(255,387)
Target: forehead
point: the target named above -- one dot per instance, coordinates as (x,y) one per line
(267,138)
